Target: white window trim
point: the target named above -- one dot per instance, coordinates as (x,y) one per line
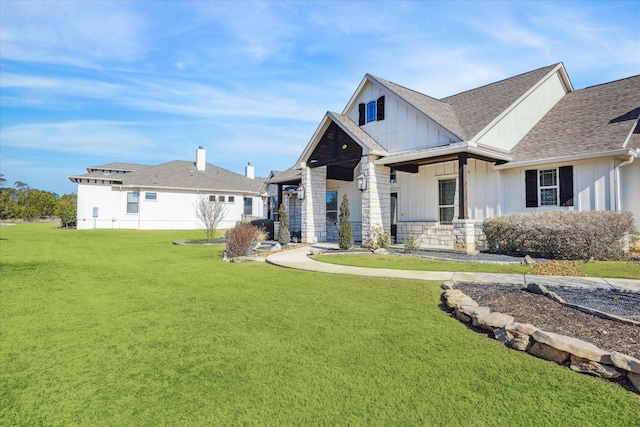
(334,190)
(455,198)
(366,112)
(546,187)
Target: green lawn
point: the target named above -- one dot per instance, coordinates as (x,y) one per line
(122,328)
(610,269)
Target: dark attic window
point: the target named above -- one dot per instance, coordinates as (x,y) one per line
(372,111)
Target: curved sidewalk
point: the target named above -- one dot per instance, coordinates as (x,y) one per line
(298,259)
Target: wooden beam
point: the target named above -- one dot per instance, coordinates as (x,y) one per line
(462,186)
(339,173)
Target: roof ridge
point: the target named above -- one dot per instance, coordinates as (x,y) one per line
(499,81)
(607,83)
(404,87)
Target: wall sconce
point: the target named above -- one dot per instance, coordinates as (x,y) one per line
(301,192)
(362,180)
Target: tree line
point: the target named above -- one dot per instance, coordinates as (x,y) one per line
(29,204)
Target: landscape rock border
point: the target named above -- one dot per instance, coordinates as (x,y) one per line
(578,355)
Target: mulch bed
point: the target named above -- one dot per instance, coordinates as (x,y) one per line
(552,316)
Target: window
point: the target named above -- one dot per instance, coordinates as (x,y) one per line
(332,207)
(231,199)
(549,187)
(447,199)
(150,196)
(212,198)
(371,111)
(132,202)
(393,177)
(221,198)
(248,206)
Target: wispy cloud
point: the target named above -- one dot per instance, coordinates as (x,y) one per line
(72,33)
(88,137)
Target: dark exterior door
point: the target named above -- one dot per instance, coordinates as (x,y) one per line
(394,217)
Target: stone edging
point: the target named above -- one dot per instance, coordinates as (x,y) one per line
(578,355)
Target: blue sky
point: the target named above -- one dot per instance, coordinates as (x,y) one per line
(88,83)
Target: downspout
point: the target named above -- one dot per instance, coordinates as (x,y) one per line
(616,177)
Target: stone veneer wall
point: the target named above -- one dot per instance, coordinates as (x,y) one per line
(579,356)
(356,228)
(432,233)
(429,232)
(376,199)
(314,208)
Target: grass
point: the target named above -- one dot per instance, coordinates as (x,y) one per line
(113,327)
(610,269)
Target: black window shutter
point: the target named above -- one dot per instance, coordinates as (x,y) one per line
(361,110)
(566,186)
(380,109)
(531,188)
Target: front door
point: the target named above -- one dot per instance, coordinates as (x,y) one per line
(394,217)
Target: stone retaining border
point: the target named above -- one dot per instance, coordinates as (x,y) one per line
(577,355)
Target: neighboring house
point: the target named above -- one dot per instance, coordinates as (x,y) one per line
(435,169)
(120,195)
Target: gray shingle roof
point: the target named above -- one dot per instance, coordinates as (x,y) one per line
(287,176)
(476,108)
(591,120)
(439,111)
(180,174)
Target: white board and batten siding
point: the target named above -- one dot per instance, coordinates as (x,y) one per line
(354,195)
(506,131)
(171,210)
(593,185)
(418,193)
(630,190)
(403,127)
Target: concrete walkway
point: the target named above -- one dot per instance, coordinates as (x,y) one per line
(298,259)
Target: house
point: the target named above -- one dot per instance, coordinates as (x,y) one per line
(145,197)
(413,165)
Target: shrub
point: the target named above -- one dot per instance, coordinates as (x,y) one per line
(411,244)
(283,232)
(560,235)
(380,238)
(240,238)
(267,225)
(345,233)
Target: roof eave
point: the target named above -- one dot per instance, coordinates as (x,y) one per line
(456,148)
(627,152)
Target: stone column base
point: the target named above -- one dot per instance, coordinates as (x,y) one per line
(464,236)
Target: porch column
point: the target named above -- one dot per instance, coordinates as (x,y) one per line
(314,207)
(464,229)
(376,199)
(462,186)
(280,201)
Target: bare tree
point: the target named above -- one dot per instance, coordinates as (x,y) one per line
(211,212)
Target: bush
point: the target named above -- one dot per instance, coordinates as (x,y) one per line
(265,224)
(240,238)
(411,244)
(283,231)
(345,233)
(380,238)
(560,235)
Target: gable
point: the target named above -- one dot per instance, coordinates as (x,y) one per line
(598,119)
(399,119)
(477,108)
